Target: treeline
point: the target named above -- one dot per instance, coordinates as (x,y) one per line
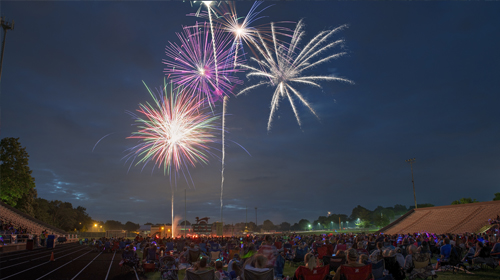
(117,225)
(360,217)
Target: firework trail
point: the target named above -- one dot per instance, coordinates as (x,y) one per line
(226,17)
(287,65)
(175,131)
(207,3)
(223,153)
(192,64)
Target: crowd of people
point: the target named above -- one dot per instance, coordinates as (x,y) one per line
(403,254)
(495,221)
(10,227)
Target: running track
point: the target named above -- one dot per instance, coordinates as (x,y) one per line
(72,262)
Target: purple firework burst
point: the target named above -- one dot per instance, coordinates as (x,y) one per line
(192,64)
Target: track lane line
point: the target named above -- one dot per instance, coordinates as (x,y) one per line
(86,266)
(38,265)
(27,253)
(110,266)
(4,267)
(35,258)
(62,266)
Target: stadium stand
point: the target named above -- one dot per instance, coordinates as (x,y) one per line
(471,217)
(20,219)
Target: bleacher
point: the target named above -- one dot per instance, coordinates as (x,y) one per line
(471,217)
(20,219)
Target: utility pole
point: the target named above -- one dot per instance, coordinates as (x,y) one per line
(411,161)
(5,26)
(246,218)
(255,216)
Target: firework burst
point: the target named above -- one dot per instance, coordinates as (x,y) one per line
(226,16)
(288,64)
(193,66)
(175,131)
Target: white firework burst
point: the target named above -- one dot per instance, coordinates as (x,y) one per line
(283,66)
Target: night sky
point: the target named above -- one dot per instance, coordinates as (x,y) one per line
(426,86)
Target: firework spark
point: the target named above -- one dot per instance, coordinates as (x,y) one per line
(287,65)
(175,131)
(193,66)
(225,15)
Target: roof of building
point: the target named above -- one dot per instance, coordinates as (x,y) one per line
(471,217)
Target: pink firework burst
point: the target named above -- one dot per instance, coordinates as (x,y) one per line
(175,131)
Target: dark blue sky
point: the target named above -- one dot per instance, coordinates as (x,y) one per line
(426,85)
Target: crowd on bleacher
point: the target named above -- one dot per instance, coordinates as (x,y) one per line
(378,255)
(495,221)
(9,227)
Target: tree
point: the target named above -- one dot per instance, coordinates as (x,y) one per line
(497,196)
(27,202)
(304,224)
(361,213)
(423,205)
(252,226)
(268,225)
(464,200)
(16,175)
(82,218)
(113,225)
(284,226)
(181,223)
(381,221)
(400,209)
(295,227)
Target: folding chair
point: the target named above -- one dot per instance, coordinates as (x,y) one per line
(254,275)
(206,275)
(299,256)
(356,273)
(231,253)
(392,265)
(422,268)
(322,251)
(193,256)
(378,269)
(333,262)
(318,273)
(214,255)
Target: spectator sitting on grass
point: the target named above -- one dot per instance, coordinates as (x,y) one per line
(352,261)
(219,272)
(236,260)
(235,270)
(257,263)
(412,250)
(495,251)
(445,252)
(198,267)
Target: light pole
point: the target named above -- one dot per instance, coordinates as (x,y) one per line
(411,161)
(5,26)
